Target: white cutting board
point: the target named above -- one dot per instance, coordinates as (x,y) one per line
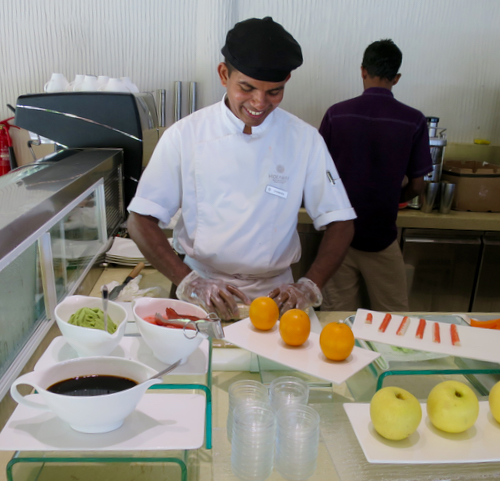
(307,358)
(476,343)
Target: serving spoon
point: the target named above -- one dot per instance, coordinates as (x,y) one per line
(165,371)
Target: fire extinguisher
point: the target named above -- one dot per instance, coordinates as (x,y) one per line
(7,156)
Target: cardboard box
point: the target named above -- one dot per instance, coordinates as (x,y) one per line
(477,185)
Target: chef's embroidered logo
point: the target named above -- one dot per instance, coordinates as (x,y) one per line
(279,178)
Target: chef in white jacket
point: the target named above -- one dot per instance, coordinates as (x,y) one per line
(239,171)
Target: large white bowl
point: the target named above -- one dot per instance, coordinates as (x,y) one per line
(87,341)
(168,344)
(87,414)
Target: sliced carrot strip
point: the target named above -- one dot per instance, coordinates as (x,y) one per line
(369,318)
(403,327)
(436,336)
(491,324)
(455,339)
(420,329)
(385,323)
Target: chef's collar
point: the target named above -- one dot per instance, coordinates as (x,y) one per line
(236,124)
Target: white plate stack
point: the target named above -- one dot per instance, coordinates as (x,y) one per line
(125,252)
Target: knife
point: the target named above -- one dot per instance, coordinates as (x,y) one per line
(116,290)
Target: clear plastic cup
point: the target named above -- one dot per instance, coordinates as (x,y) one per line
(253,441)
(244,391)
(297,441)
(288,390)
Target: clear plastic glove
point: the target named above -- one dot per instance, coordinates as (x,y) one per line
(213,295)
(301,295)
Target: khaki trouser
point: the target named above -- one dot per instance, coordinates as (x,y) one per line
(384,274)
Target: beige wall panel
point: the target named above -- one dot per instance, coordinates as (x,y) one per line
(451,58)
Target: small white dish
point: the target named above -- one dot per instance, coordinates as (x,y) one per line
(168,344)
(87,341)
(87,414)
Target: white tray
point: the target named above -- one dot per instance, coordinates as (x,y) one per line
(160,422)
(428,445)
(476,343)
(130,347)
(307,358)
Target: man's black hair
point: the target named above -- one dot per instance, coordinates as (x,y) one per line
(382,59)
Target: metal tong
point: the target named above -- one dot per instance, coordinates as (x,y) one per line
(211,326)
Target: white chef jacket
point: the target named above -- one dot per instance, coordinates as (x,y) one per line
(240,194)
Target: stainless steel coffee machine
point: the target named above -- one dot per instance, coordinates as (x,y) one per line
(437,144)
(75,120)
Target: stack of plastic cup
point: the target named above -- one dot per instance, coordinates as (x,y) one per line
(286,390)
(297,441)
(253,441)
(245,391)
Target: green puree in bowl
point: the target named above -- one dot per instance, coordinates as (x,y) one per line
(91,317)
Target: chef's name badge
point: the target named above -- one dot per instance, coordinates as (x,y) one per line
(274,191)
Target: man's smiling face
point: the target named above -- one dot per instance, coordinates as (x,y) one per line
(249,99)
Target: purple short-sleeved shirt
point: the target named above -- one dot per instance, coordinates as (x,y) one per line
(375,141)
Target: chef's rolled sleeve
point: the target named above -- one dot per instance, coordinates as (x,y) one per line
(143,206)
(323,220)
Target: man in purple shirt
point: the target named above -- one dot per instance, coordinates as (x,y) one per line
(381,149)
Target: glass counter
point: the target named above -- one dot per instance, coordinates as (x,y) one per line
(56,220)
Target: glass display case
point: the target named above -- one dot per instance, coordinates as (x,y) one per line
(56,219)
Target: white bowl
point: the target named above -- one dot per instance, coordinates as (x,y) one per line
(84,340)
(87,414)
(168,344)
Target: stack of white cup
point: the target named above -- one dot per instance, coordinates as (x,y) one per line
(286,390)
(90,83)
(252,435)
(245,391)
(297,441)
(253,441)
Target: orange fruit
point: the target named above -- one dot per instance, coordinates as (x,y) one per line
(336,341)
(295,327)
(264,313)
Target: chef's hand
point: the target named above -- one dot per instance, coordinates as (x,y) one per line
(213,295)
(301,295)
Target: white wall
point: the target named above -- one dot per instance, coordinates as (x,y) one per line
(451,58)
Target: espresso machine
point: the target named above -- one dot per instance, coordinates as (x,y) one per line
(437,144)
(81,120)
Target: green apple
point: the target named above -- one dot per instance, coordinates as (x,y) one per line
(452,406)
(395,413)
(494,400)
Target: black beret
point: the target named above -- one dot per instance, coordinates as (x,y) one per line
(262,49)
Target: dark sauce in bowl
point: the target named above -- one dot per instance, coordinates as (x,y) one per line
(92,385)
